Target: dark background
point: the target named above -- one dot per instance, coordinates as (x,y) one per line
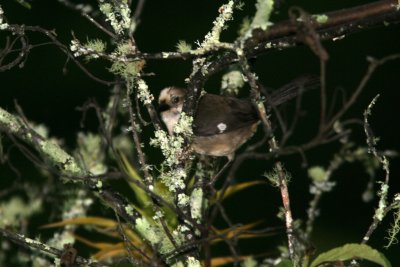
(49,96)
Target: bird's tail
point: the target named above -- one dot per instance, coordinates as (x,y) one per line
(292,90)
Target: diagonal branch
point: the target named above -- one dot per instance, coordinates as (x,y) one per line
(43,248)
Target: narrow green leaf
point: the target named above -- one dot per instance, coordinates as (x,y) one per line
(351,251)
(142,197)
(146,204)
(24,4)
(97,221)
(233,189)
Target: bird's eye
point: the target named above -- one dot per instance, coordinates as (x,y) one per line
(175,99)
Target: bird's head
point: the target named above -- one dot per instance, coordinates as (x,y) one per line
(170,105)
(171,99)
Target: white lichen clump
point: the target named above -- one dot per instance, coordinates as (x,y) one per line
(143,92)
(155,235)
(148,231)
(3,26)
(183,47)
(14,211)
(184,125)
(174,179)
(170,146)
(380,212)
(193,262)
(92,48)
(321,19)
(320,179)
(196,204)
(226,12)
(264,9)
(317,174)
(125,48)
(64,161)
(183,200)
(91,153)
(232,82)
(129,209)
(117,13)
(261,18)
(77,206)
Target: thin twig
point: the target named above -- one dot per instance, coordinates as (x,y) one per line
(129,244)
(373,65)
(323,94)
(139,10)
(252,79)
(92,20)
(52,36)
(43,248)
(382,208)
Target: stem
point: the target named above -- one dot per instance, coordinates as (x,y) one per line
(273,144)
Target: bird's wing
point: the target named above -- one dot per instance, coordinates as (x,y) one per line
(218,114)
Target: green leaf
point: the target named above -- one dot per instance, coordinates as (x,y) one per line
(144,199)
(237,232)
(351,251)
(285,263)
(24,4)
(97,221)
(141,195)
(233,189)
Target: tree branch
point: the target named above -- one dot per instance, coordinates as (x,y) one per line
(43,248)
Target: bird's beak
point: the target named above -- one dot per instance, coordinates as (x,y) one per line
(163,107)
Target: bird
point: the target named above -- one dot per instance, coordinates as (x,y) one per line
(221,123)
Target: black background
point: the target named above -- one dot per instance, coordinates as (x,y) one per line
(49,96)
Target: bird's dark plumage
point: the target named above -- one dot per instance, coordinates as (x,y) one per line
(227,114)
